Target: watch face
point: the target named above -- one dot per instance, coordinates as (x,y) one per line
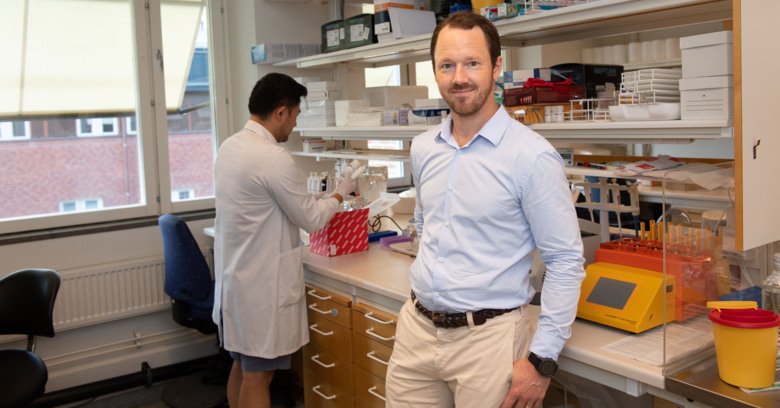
(547,368)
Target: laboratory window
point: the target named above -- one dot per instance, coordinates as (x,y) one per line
(398,173)
(80,73)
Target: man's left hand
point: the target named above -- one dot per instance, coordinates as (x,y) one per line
(528,386)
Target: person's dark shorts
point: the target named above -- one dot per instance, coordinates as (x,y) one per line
(254,364)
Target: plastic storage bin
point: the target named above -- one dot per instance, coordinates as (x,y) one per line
(333,36)
(708,54)
(360,30)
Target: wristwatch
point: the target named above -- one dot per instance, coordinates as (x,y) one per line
(546,367)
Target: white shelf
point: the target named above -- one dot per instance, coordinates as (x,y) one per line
(595,19)
(351,155)
(648,131)
(362,132)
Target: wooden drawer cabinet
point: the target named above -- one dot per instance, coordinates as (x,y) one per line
(325,364)
(369,389)
(320,393)
(371,355)
(335,338)
(345,362)
(332,306)
(374,323)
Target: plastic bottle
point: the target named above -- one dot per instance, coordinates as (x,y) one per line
(323,181)
(310,182)
(771,287)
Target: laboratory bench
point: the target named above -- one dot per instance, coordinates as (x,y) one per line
(379,277)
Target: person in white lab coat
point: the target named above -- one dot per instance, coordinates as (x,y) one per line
(261,201)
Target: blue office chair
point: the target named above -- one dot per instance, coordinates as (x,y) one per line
(187,277)
(189,285)
(26,307)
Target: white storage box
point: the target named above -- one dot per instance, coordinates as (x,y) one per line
(343,107)
(707,98)
(365,117)
(394,96)
(323,86)
(396,117)
(707,54)
(314,145)
(437,103)
(320,120)
(270,53)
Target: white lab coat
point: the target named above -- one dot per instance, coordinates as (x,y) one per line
(261,200)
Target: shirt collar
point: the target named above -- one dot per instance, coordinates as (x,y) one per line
(493,130)
(259,129)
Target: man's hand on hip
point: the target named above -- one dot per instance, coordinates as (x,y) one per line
(528,387)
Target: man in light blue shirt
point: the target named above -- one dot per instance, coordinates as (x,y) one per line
(489,192)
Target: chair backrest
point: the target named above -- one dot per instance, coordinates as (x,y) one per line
(187,276)
(27,302)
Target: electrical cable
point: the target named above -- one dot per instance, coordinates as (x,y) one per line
(377,223)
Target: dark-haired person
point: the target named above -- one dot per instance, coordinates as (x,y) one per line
(489,192)
(261,201)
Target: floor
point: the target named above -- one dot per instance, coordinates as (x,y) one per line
(151,397)
(147,397)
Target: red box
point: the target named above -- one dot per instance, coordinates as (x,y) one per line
(347,232)
(556,93)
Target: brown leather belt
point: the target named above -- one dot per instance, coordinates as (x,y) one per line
(454,320)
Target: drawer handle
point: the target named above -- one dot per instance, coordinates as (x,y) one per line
(372,355)
(317,391)
(313,292)
(370,332)
(373,392)
(333,312)
(370,316)
(316,330)
(315,358)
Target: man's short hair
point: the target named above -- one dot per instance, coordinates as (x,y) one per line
(466,21)
(272,91)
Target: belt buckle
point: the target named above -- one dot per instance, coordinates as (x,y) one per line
(436,318)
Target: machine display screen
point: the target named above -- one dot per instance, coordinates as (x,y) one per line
(611,293)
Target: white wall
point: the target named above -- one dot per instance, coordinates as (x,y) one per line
(83,355)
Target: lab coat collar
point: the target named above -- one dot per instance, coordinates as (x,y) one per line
(260,130)
(492,131)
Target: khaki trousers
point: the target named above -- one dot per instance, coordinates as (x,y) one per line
(467,367)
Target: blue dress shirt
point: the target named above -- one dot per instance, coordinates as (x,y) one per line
(481,211)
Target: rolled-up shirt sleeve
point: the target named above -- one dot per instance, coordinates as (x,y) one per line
(547,204)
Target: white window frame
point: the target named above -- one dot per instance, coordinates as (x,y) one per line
(129,128)
(7,131)
(97,123)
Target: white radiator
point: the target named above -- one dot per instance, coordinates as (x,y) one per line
(106,292)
